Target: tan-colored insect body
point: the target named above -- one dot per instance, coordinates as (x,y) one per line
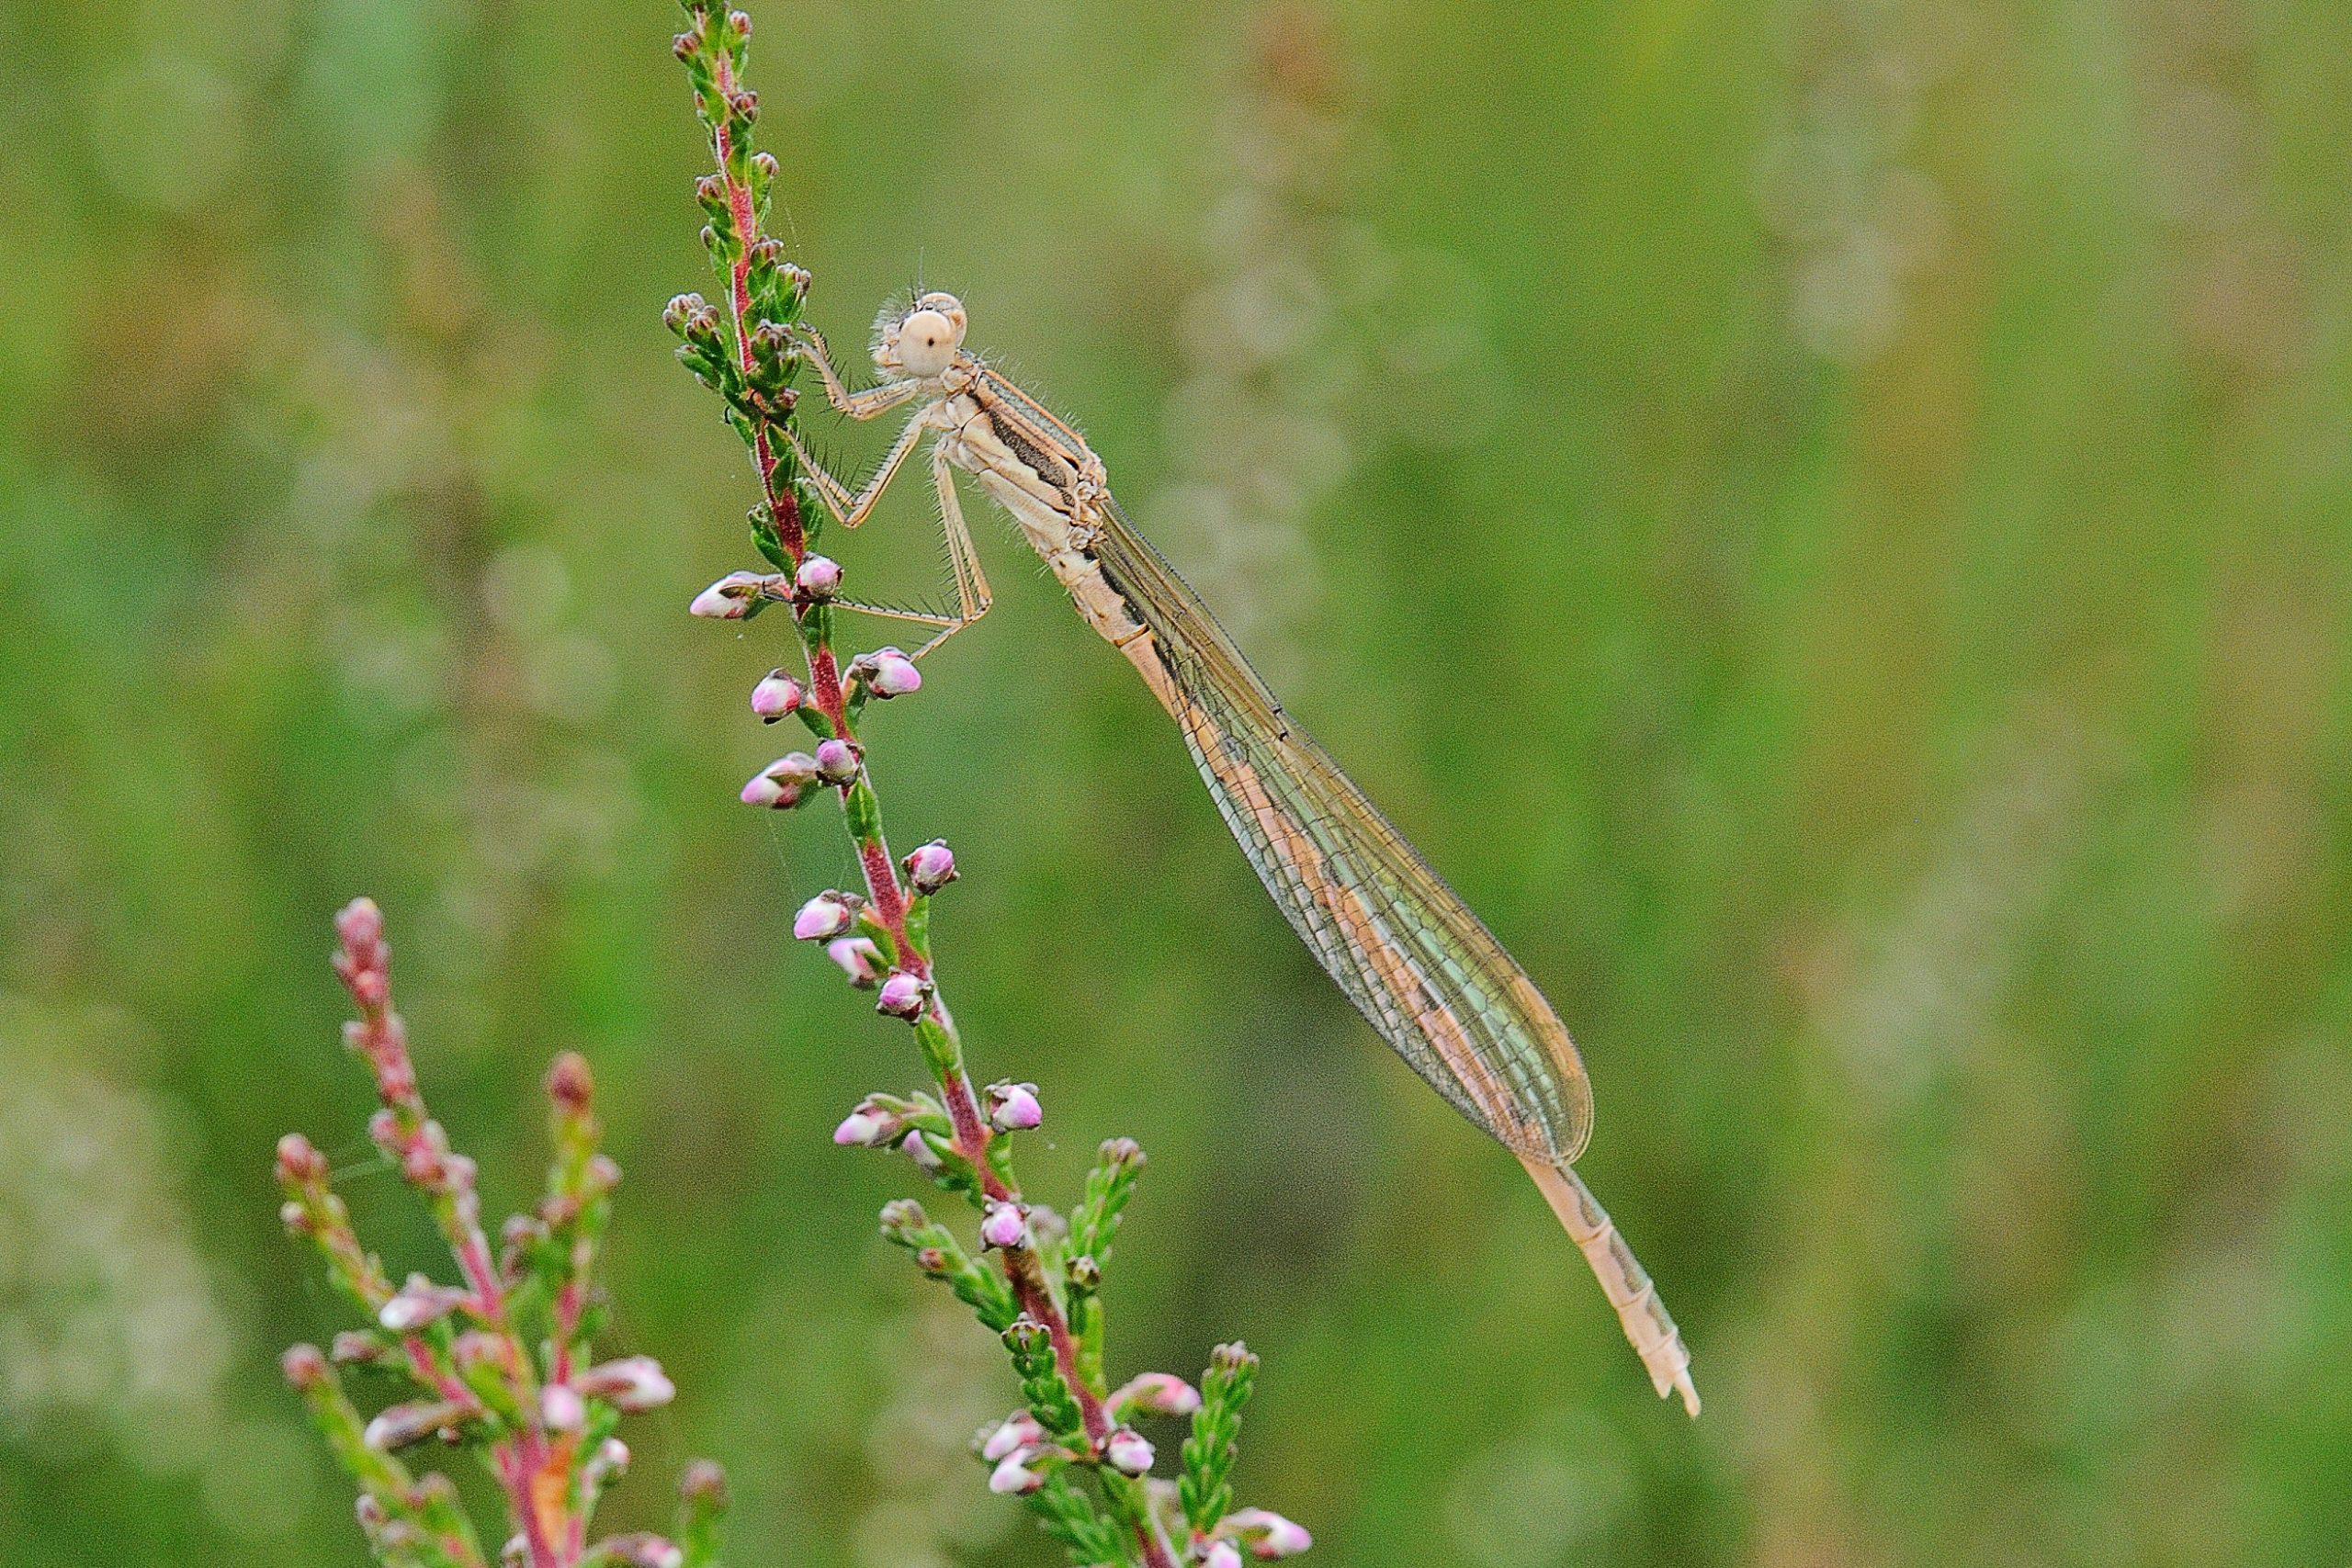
(1400,944)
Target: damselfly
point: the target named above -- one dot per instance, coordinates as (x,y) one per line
(1419,967)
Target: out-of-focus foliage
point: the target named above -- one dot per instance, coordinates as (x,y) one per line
(1832,522)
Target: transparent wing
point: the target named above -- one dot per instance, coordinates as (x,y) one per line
(1419,967)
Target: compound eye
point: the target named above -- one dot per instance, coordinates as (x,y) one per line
(945,304)
(926,343)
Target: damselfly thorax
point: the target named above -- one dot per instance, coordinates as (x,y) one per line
(1048,480)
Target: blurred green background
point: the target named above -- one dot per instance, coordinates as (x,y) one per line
(1827,520)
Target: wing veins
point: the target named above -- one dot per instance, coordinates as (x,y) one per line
(1404,948)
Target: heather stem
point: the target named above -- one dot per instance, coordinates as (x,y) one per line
(784,507)
(888,902)
(410,1134)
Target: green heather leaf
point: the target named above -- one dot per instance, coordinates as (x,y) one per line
(1108,1187)
(766,539)
(1070,1517)
(862,812)
(1209,1452)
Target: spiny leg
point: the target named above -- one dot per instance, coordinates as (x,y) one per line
(866,404)
(973,595)
(894,613)
(852,510)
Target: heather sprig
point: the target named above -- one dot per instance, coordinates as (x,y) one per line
(1034,1278)
(1211,1450)
(497,1363)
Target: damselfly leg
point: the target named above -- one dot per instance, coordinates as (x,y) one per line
(973,596)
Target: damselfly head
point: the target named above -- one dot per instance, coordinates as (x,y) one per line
(922,342)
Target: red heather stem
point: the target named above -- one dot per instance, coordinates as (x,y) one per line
(883,891)
(449,1386)
(885,897)
(570,1301)
(482,1274)
(1029,1286)
(367,974)
(518,1466)
(784,507)
(972,1133)
(364,966)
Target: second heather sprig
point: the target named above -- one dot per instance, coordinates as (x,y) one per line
(497,1363)
(1073,1450)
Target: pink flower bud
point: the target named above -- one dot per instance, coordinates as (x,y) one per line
(359,925)
(893,674)
(561,1409)
(421,1164)
(782,781)
(1222,1554)
(1004,1224)
(931,866)
(777,694)
(1126,1451)
(299,1163)
(1266,1533)
(641,1550)
(1014,1477)
(917,1147)
(420,1301)
(704,1483)
(1018,1430)
(766,790)
(902,996)
(728,599)
(632,1382)
(859,959)
(305,1368)
(1155,1394)
(1013,1107)
(820,577)
(837,762)
(826,916)
(607,1463)
(570,1083)
(770,791)
(870,1126)
(402,1425)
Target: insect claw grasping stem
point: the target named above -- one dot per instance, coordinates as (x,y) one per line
(810,343)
